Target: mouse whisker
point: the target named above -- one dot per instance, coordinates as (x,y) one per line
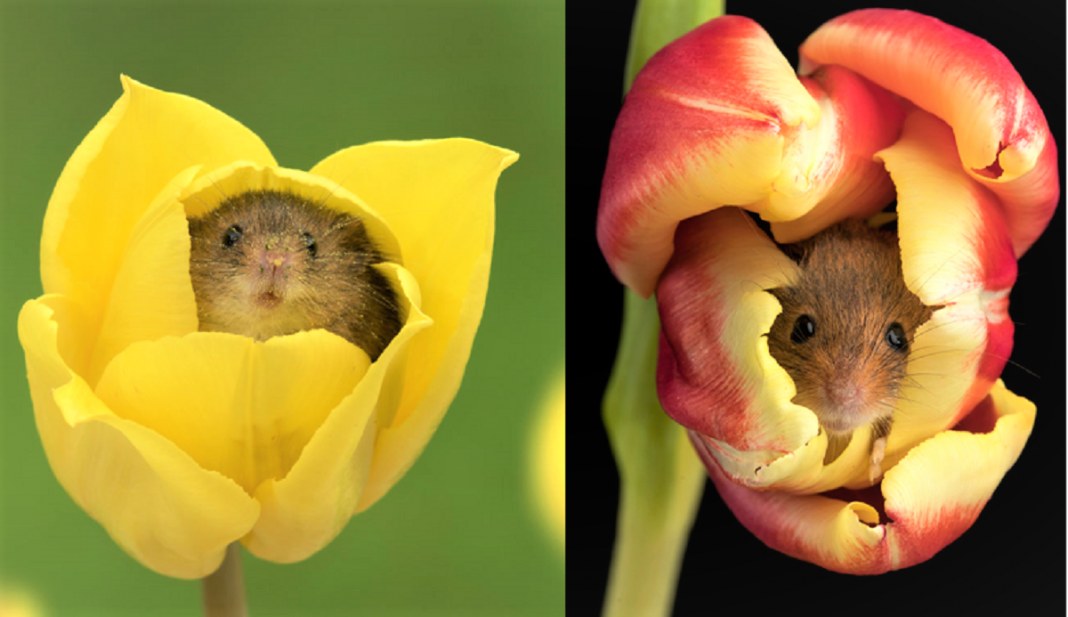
(1014,363)
(195,196)
(342,224)
(226,199)
(985,353)
(933,328)
(930,354)
(912,376)
(336,187)
(916,402)
(933,272)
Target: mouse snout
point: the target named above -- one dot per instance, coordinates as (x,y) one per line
(850,392)
(849,382)
(276,258)
(843,391)
(273,265)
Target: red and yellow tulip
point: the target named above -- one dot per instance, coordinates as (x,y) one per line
(889,104)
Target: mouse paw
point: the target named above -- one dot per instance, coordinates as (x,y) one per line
(878,449)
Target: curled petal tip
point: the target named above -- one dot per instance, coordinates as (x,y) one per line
(925,502)
(1001,133)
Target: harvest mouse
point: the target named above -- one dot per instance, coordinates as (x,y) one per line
(845,332)
(268,263)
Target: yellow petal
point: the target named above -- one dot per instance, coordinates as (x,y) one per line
(144,141)
(152,296)
(956,252)
(438,198)
(154,500)
(950,477)
(241,408)
(306,509)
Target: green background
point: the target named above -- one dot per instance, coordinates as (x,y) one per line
(458,535)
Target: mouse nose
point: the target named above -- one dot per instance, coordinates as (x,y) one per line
(843,391)
(275,264)
(275,257)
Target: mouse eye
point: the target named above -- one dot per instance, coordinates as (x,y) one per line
(309,243)
(804,328)
(895,337)
(232,235)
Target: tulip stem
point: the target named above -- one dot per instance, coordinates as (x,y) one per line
(658,22)
(223,591)
(661,478)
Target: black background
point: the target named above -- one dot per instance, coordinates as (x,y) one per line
(1012,560)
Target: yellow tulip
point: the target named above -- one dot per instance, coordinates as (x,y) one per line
(181,442)
(547,454)
(19,603)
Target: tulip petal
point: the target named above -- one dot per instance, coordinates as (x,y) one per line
(1001,133)
(438,198)
(715,374)
(705,124)
(848,183)
(308,508)
(956,253)
(154,500)
(241,408)
(719,118)
(929,498)
(144,141)
(152,296)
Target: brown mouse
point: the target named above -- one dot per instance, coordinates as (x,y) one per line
(269,263)
(845,332)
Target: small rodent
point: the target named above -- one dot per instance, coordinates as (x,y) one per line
(267,263)
(845,332)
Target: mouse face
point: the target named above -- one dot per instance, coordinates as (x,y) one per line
(846,327)
(269,263)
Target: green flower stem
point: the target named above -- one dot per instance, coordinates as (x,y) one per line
(658,22)
(223,591)
(661,478)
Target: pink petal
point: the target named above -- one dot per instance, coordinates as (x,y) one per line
(1001,133)
(924,503)
(703,125)
(714,372)
(719,118)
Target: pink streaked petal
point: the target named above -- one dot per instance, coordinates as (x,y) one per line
(1001,133)
(956,253)
(924,503)
(714,372)
(705,124)
(850,184)
(952,231)
(828,532)
(1029,199)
